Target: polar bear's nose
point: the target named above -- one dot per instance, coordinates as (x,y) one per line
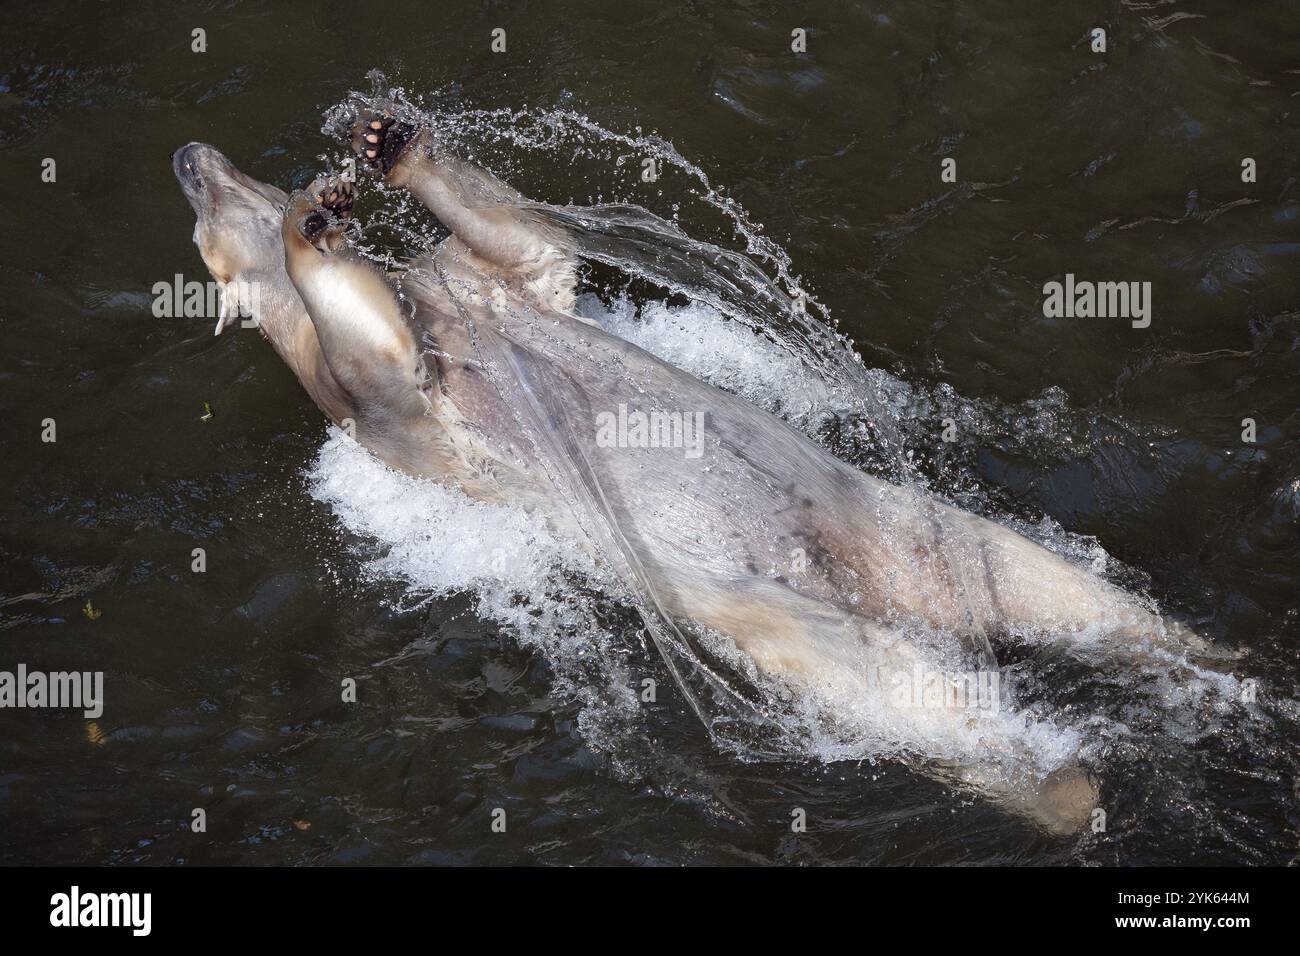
(185,164)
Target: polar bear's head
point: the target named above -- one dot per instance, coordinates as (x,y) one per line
(237,224)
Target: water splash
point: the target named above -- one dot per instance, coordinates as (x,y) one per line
(750,281)
(437,542)
(749,327)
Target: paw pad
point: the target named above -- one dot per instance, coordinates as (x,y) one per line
(381,141)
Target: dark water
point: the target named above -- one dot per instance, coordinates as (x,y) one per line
(223,688)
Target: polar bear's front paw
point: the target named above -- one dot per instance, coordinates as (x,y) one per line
(379,140)
(338,196)
(321,210)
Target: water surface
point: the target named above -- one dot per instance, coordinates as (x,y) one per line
(1118,444)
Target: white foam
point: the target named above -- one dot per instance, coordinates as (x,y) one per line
(434,537)
(846,713)
(726,354)
(437,542)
